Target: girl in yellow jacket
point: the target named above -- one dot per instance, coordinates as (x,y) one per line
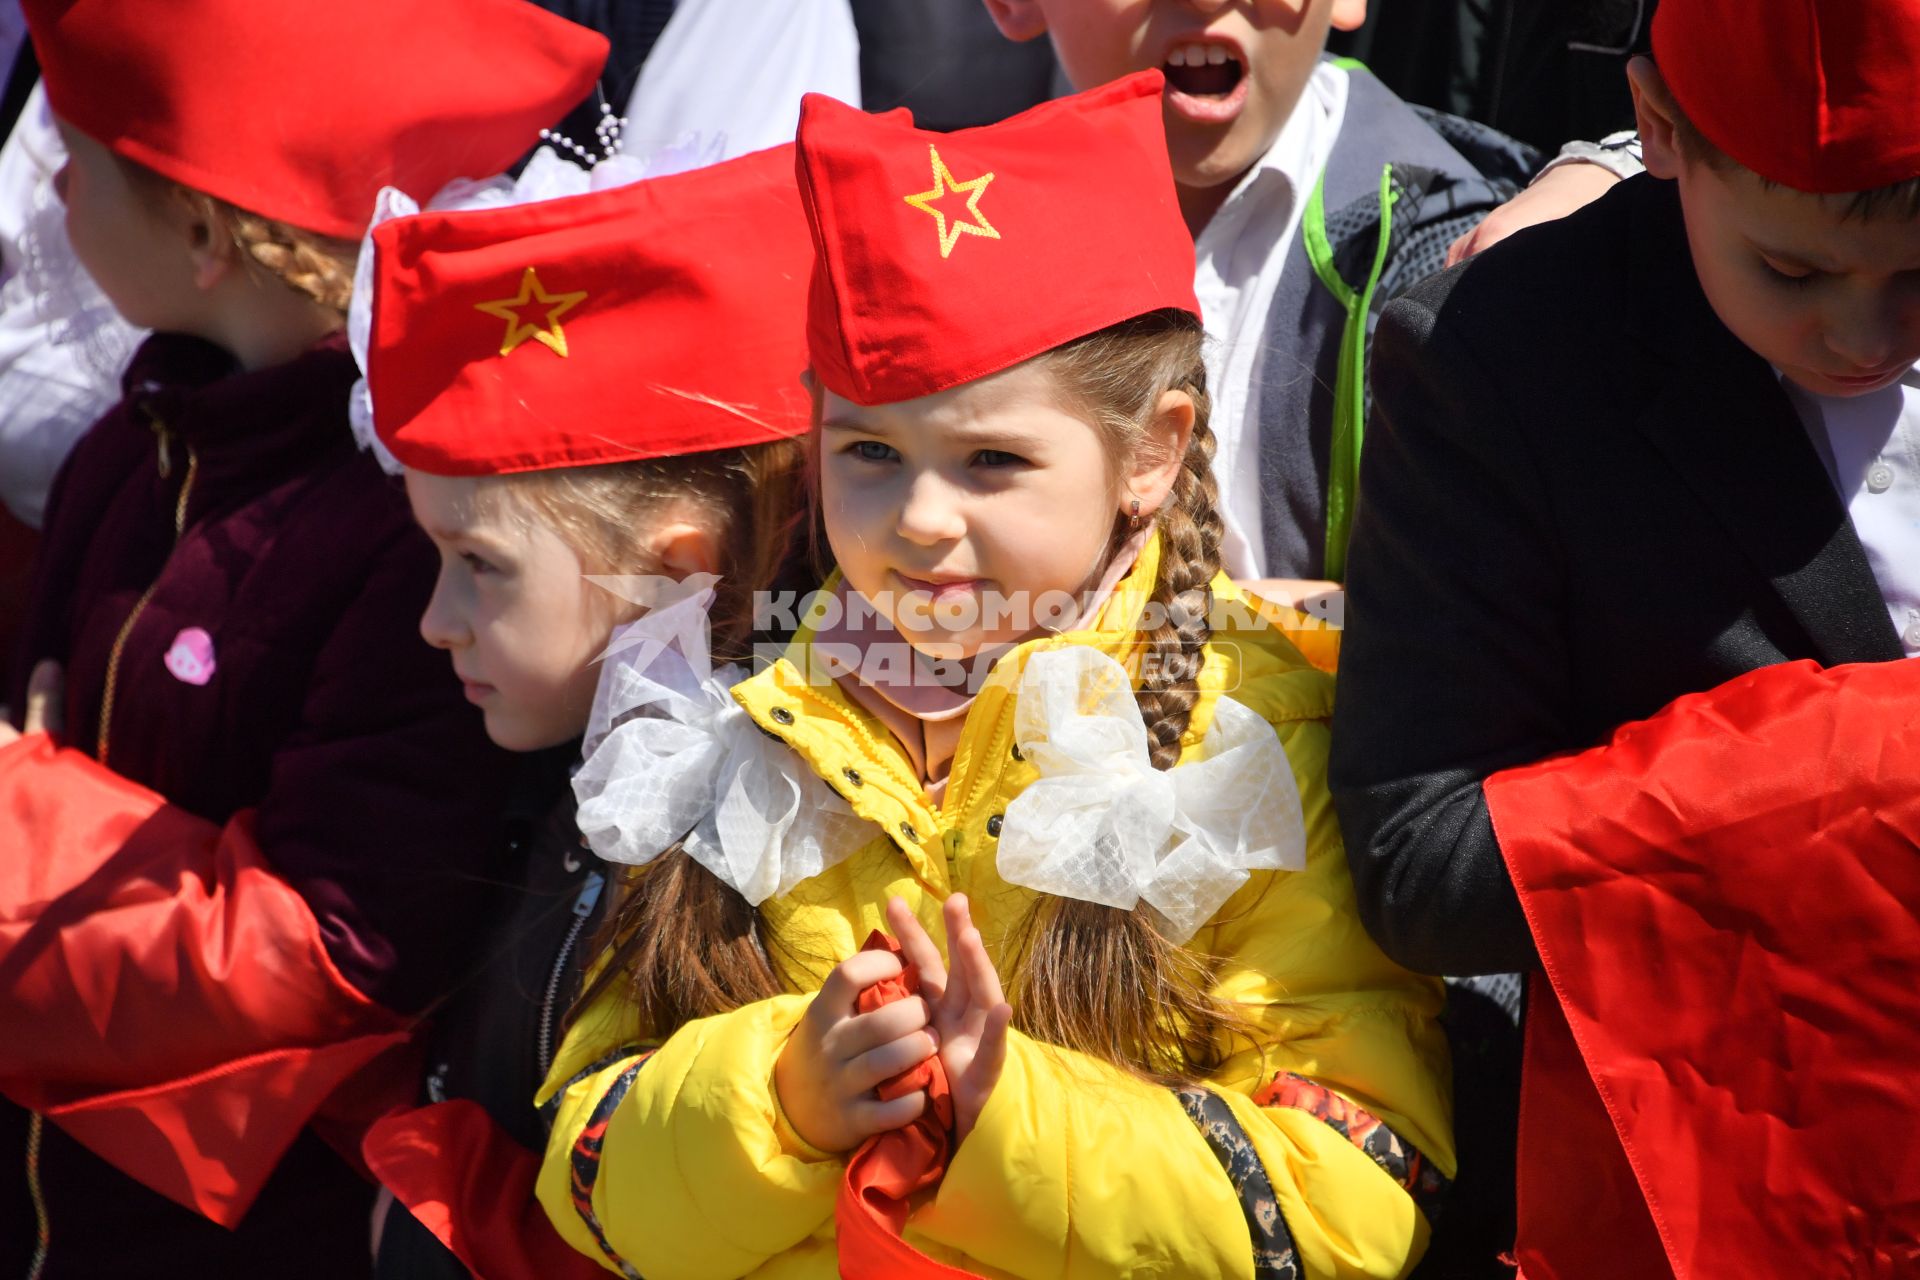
(1029,730)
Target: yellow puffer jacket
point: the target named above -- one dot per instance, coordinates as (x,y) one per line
(683,1166)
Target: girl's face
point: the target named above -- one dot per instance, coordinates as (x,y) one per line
(969,516)
(513,607)
(136,249)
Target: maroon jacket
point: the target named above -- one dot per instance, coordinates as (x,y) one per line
(282,859)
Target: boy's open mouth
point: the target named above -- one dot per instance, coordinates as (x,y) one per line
(1204,69)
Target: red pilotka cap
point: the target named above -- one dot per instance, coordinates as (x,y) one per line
(301,113)
(650,320)
(944,257)
(1816,95)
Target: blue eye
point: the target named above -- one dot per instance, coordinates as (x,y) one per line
(998,458)
(477,564)
(872,451)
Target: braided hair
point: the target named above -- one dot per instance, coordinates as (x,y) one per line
(1097,979)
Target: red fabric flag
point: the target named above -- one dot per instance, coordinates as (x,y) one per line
(472,1185)
(1724,898)
(185,1019)
(889,1168)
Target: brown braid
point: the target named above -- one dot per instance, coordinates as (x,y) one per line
(315,266)
(319,268)
(1106,982)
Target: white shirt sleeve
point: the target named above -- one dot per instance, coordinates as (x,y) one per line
(737,69)
(62,346)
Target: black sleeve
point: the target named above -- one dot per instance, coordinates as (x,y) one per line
(1454,663)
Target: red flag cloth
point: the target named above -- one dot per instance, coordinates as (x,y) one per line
(1724,898)
(471,1184)
(890,1168)
(174,1006)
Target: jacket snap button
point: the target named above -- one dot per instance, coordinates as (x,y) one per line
(993,826)
(853,776)
(782,716)
(906,829)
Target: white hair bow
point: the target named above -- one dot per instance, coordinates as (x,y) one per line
(1101,824)
(672,758)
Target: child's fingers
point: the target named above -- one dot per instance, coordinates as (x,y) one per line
(44,695)
(983,1073)
(983,980)
(851,1037)
(954,915)
(849,978)
(871,1116)
(973,971)
(878,1065)
(917,946)
(991,1056)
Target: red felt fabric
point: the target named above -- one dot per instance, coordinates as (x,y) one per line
(1724,899)
(186,1020)
(472,1185)
(303,115)
(889,1169)
(931,245)
(679,303)
(1817,97)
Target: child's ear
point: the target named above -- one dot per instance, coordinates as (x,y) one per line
(1023,19)
(685,547)
(1162,455)
(210,248)
(1349,15)
(1653,108)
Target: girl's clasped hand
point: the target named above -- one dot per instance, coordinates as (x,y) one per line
(43,709)
(837,1058)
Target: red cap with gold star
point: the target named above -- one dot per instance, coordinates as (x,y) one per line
(1815,96)
(660,318)
(944,257)
(303,113)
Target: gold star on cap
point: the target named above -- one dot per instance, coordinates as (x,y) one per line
(950,231)
(547,331)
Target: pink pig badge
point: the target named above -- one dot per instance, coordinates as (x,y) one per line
(191,657)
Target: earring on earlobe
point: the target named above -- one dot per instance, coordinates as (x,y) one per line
(1133,521)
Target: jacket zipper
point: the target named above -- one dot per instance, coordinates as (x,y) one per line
(583,905)
(103,738)
(43,1222)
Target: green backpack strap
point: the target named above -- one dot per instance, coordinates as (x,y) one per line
(1350,386)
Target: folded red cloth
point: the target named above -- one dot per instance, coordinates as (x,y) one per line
(1724,900)
(471,1184)
(187,1022)
(890,1168)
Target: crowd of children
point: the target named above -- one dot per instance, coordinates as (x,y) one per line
(1015,701)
